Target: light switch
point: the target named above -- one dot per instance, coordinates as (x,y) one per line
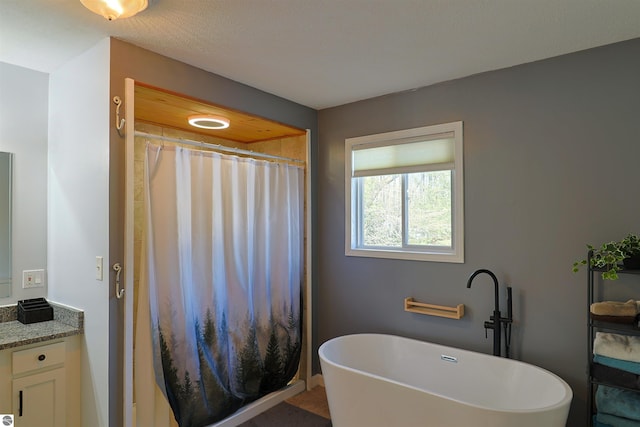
(99,268)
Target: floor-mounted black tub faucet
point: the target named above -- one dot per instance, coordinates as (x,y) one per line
(495,321)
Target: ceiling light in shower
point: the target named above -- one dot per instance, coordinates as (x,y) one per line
(114,9)
(208,122)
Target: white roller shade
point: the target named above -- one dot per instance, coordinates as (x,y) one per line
(404,156)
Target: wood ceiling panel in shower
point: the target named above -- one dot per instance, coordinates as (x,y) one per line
(169,109)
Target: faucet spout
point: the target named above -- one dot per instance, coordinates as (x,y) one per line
(495,284)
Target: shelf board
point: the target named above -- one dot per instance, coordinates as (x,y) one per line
(629,329)
(413,306)
(609,384)
(621,271)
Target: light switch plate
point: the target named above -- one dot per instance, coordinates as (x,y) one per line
(99,268)
(33,279)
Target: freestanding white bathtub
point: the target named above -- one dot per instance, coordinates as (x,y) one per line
(377,380)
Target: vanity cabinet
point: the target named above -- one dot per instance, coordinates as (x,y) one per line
(40,383)
(594,291)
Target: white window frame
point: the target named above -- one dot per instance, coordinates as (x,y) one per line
(456,253)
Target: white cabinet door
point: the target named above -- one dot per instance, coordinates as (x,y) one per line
(39,400)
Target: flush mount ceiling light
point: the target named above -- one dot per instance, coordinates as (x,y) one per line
(208,122)
(114,9)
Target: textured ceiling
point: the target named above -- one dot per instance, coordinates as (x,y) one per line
(323,53)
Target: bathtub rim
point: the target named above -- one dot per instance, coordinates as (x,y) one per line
(566,400)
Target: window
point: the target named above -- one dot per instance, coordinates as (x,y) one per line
(404,194)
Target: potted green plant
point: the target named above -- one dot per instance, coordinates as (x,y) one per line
(612,256)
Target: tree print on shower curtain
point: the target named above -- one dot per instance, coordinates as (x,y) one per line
(223,265)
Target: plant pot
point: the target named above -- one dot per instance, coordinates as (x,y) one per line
(632,263)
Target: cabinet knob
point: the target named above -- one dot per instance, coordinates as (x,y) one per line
(42,357)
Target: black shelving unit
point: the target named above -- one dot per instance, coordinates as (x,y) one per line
(596,325)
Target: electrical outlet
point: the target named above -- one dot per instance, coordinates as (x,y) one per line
(32,279)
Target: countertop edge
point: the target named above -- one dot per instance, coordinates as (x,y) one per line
(35,337)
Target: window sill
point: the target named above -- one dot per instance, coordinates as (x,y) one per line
(406,255)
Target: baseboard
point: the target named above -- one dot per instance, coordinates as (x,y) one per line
(261,405)
(314,381)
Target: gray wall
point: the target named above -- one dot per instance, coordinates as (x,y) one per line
(551,163)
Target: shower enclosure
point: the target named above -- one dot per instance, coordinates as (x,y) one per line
(219,284)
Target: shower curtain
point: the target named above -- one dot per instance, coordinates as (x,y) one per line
(219,294)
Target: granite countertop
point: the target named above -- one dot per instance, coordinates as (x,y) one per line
(66,321)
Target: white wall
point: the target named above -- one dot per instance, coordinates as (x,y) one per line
(23,131)
(78,212)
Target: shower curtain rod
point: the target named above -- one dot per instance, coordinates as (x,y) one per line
(216,147)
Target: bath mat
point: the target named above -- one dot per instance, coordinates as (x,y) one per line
(286,415)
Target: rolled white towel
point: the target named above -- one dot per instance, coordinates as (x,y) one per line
(623,347)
